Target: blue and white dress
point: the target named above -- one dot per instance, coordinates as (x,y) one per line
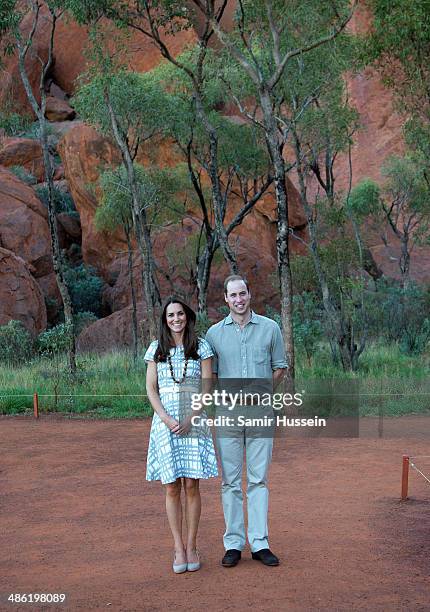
(172,456)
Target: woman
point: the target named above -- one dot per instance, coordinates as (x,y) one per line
(179,454)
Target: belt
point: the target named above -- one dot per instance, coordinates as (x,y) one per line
(177,388)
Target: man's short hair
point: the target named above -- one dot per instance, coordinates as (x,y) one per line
(234,277)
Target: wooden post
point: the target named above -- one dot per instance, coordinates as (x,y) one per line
(36,405)
(405,477)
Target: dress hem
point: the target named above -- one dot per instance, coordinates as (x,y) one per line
(181,476)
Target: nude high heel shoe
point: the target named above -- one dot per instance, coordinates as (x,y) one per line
(179,568)
(193,567)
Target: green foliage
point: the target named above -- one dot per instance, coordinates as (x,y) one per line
(406,182)
(14,124)
(307,323)
(63,201)
(364,199)
(24,175)
(16,344)
(85,289)
(81,320)
(10,17)
(141,106)
(33,131)
(203,323)
(401,315)
(54,341)
(399,43)
(157,190)
(303,274)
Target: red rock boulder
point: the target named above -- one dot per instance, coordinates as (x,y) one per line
(112,332)
(84,153)
(70,42)
(58,110)
(11,87)
(72,39)
(20,295)
(23,224)
(24,152)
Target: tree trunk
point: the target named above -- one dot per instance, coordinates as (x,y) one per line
(218,202)
(405,260)
(282,236)
(39,111)
(203,275)
(133,293)
(141,227)
(335,319)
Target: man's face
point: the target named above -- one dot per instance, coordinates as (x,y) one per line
(238,297)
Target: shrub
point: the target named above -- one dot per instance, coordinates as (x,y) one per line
(203,323)
(85,289)
(402,315)
(33,130)
(16,344)
(14,124)
(307,323)
(82,320)
(24,175)
(54,341)
(63,201)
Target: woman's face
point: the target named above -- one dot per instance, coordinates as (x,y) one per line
(176,318)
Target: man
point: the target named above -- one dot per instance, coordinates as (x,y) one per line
(246,346)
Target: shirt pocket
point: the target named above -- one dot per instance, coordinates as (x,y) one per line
(261,356)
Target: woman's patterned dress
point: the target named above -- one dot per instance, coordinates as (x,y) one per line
(172,456)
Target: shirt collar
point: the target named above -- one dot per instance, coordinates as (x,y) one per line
(253,319)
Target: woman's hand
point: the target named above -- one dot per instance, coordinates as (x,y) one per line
(171,423)
(184,426)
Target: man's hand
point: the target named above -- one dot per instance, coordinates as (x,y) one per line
(184,426)
(278,376)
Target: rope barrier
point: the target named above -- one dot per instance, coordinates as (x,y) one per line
(419,471)
(77,395)
(144,395)
(420,457)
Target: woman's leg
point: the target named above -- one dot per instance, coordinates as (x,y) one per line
(174,515)
(192,516)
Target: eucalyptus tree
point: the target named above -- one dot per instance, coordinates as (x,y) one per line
(21,40)
(267,38)
(113,212)
(124,107)
(242,161)
(152,19)
(398,44)
(323,131)
(402,202)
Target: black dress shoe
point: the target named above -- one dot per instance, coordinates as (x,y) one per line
(265,556)
(231,557)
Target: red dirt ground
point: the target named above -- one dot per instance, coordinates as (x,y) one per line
(77,517)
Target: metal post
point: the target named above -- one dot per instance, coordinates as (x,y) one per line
(405,477)
(36,405)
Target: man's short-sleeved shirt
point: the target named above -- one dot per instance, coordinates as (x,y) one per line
(252,352)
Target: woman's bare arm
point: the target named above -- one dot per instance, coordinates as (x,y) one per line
(154,398)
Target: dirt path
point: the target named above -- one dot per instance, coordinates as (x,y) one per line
(77,517)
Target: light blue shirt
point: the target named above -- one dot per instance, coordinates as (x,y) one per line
(252,352)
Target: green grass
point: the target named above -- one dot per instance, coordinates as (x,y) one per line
(387,381)
(111,386)
(107,386)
